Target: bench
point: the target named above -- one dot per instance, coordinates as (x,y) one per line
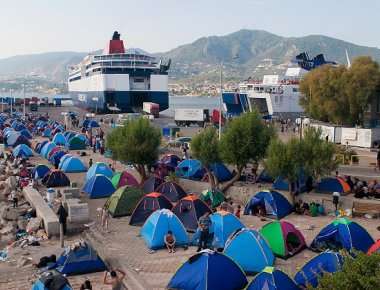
(366,207)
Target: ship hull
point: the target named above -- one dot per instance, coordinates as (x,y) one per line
(124,101)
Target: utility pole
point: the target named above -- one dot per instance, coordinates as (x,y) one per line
(220,100)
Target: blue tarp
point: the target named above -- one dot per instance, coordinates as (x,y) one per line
(272,279)
(73,165)
(249,250)
(190,169)
(98,186)
(157,226)
(274,203)
(81,260)
(342,234)
(327,262)
(208,270)
(99,168)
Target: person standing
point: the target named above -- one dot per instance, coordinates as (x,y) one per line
(336,196)
(90,162)
(378,159)
(14,199)
(62,217)
(204,226)
(116,280)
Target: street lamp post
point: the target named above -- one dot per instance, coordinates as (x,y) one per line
(220,100)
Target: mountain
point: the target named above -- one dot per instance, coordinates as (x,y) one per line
(52,65)
(259,52)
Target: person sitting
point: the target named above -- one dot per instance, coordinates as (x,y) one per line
(170,242)
(86,285)
(297,207)
(305,208)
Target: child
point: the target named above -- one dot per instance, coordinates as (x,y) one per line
(170,242)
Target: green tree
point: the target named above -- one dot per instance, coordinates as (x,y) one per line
(205,148)
(361,273)
(284,159)
(312,156)
(137,142)
(244,140)
(341,95)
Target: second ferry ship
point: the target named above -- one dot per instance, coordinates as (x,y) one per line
(119,80)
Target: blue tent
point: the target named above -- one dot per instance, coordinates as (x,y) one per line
(98,186)
(51,279)
(75,143)
(15,138)
(46,149)
(59,139)
(272,279)
(46,132)
(223,224)
(22,149)
(26,133)
(221,172)
(82,137)
(55,158)
(332,184)
(85,123)
(63,159)
(69,134)
(99,168)
(342,234)
(265,177)
(40,146)
(190,169)
(327,262)
(249,250)
(208,270)
(81,260)
(299,186)
(39,171)
(274,203)
(157,226)
(73,165)
(18,126)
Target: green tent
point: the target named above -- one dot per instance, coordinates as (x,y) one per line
(123,201)
(212,197)
(76,143)
(283,238)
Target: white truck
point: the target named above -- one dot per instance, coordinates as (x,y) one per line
(151,109)
(187,117)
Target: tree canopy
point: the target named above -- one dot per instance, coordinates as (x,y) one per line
(341,95)
(244,140)
(136,142)
(205,148)
(361,273)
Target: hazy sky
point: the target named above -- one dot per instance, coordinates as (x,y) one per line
(31,26)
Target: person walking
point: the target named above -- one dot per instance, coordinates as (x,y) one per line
(336,196)
(204,226)
(62,217)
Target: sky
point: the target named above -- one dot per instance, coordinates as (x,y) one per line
(35,26)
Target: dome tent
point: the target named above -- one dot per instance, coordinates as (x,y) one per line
(273,202)
(212,197)
(51,280)
(76,143)
(39,171)
(59,139)
(157,226)
(283,238)
(333,184)
(98,186)
(55,178)
(22,149)
(99,168)
(80,260)
(73,165)
(207,270)
(272,279)
(190,169)
(249,250)
(342,234)
(124,178)
(172,191)
(147,205)
(123,201)
(327,262)
(189,209)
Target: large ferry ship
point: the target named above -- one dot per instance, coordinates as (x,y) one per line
(274,95)
(119,80)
